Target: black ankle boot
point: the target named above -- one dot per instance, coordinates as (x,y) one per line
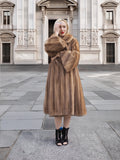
(58,133)
(65,135)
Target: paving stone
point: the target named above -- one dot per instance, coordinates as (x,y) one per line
(7,102)
(11,85)
(107,95)
(94,98)
(3,153)
(87,94)
(7,138)
(115,125)
(87,102)
(3,108)
(41,144)
(9,98)
(114,102)
(37,107)
(48,123)
(111,142)
(20,108)
(20,124)
(90,107)
(23,115)
(107,107)
(19,93)
(96,116)
(40,102)
(31,96)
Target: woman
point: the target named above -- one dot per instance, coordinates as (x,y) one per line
(64,94)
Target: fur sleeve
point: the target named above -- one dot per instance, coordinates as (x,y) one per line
(54,44)
(70,58)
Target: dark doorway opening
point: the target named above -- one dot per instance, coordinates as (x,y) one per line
(50,26)
(6,52)
(110,52)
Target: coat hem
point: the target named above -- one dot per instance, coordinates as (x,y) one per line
(78,115)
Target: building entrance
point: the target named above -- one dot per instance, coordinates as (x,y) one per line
(110,52)
(5,52)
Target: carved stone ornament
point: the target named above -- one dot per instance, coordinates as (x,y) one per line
(7,35)
(110,39)
(95,37)
(110,35)
(109,4)
(46,3)
(6,4)
(31,37)
(83,38)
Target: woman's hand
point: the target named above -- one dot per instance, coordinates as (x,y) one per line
(57,28)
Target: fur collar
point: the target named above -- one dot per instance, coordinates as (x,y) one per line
(67,38)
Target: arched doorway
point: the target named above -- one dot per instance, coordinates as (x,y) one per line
(6,47)
(110,47)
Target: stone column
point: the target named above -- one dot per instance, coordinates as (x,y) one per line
(45,36)
(44,33)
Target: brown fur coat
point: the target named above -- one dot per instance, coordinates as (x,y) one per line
(64,93)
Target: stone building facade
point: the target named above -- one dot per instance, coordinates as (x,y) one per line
(26,24)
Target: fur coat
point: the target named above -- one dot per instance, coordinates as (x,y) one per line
(63,93)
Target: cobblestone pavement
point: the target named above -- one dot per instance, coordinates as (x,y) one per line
(26,133)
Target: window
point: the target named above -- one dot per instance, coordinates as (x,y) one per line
(109,17)
(6,17)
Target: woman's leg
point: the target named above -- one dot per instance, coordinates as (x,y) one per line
(58,122)
(67,121)
(65,129)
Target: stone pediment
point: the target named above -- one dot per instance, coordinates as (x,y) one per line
(6,4)
(57,3)
(109,4)
(110,35)
(7,35)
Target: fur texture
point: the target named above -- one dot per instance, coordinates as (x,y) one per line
(64,93)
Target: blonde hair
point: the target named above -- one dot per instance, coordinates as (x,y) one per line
(59,20)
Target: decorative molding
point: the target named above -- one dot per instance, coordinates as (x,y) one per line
(43,3)
(109,4)
(46,3)
(6,4)
(20,37)
(26,38)
(7,35)
(89,37)
(95,37)
(110,35)
(31,37)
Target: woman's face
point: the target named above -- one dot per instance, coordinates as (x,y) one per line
(63,28)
